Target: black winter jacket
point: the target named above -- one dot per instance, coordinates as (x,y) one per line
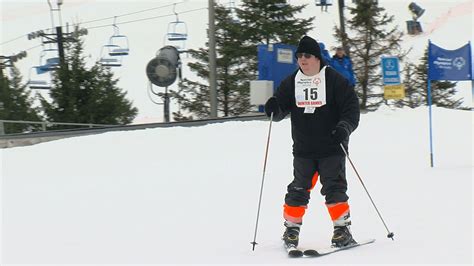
(312,132)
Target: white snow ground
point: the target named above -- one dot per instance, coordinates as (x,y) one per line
(189,195)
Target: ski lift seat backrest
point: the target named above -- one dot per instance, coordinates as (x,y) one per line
(49,59)
(52,61)
(50,64)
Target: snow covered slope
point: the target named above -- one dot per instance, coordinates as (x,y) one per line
(189,195)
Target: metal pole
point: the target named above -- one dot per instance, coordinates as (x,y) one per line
(166,106)
(212,60)
(1,67)
(2,128)
(51,13)
(472,76)
(59,36)
(342,24)
(263,181)
(472,94)
(430,123)
(390,234)
(429,107)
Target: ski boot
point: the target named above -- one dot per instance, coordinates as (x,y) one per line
(342,234)
(291,235)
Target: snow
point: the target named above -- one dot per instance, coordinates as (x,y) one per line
(188,195)
(447,23)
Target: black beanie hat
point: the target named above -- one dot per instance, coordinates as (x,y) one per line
(310,46)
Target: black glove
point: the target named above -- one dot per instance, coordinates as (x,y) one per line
(271,106)
(339,134)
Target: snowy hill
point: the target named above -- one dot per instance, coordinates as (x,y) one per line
(189,195)
(448,23)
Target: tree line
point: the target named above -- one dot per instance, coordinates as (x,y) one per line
(90,95)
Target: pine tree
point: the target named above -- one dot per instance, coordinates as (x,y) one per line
(270,21)
(416,84)
(81,95)
(232,77)
(413,93)
(368,39)
(16,104)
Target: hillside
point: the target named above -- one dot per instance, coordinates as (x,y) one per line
(189,195)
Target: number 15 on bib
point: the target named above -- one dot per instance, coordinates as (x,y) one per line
(310,91)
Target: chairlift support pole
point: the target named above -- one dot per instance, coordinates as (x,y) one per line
(166,106)
(59,32)
(212,60)
(342,24)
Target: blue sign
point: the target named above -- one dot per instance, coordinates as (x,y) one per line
(276,62)
(449,64)
(390,70)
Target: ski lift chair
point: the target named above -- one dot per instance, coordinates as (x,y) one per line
(177,31)
(119,45)
(49,59)
(177,35)
(323,2)
(108,60)
(35,83)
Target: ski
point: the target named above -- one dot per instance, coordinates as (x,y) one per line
(327,251)
(293,252)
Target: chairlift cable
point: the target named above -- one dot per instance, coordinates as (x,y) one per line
(143,19)
(108,25)
(17,38)
(131,13)
(107,18)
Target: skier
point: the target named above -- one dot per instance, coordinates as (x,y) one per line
(324,111)
(343,64)
(324,6)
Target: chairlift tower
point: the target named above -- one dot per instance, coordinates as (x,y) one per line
(212,60)
(57,37)
(51,57)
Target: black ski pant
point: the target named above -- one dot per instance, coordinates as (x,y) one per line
(332,175)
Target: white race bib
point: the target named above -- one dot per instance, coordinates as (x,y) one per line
(310,91)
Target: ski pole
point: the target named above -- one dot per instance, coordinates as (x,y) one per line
(261,186)
(390,234)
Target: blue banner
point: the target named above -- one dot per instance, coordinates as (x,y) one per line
(390,70)
(449,64)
